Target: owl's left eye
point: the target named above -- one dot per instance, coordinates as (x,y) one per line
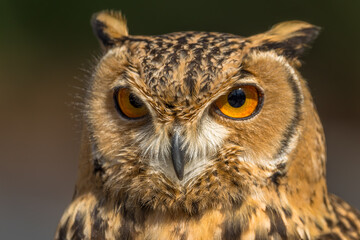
(239,103)
(128,104)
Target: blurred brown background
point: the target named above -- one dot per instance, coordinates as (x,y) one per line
(45,46)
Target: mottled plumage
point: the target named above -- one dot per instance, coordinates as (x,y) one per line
(259,177)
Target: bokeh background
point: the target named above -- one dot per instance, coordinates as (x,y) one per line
(46,47)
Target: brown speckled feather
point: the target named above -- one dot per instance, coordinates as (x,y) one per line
(260,177)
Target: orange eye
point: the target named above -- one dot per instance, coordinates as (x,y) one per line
(128,104)
(240,102)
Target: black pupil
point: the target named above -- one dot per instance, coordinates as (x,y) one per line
(237,98)
(136,102)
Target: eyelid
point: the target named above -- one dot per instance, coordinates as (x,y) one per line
(248,83)
(120,82)
(249,80)
(119,85)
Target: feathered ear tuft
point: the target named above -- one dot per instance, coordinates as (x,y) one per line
(287,38)
(108,27)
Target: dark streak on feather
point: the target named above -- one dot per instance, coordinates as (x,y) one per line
(98,224)
(290,130)
(63,230)
(277,225)
(78,226)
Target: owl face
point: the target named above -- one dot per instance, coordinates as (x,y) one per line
(188,120)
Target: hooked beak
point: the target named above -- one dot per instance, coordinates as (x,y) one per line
(177,155)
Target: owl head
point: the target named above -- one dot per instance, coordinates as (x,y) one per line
(191,120)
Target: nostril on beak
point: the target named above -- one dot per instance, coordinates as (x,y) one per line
(177,155)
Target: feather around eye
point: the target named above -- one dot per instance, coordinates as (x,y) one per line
(128,104)
(241,102)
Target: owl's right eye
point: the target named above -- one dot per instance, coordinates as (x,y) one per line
(128,104)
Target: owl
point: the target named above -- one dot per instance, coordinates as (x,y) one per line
(202,135)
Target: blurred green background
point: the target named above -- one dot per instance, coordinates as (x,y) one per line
(46,47)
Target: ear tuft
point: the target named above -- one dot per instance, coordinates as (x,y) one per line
(287,38)
(108,26)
